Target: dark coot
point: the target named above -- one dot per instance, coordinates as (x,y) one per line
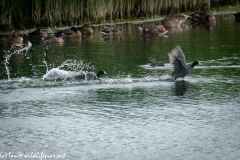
(177,59)
(91,75)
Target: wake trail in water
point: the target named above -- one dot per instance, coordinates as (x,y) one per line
(65,74)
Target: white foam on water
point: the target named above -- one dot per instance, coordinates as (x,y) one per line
(123,80)
(167,66)
(56,74)
(217,67)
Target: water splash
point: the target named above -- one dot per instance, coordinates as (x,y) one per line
(74,65)
(68,70)
(120,80)
(55,74)
(9,54)
(45,62)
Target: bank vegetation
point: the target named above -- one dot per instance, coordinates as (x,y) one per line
(43,13)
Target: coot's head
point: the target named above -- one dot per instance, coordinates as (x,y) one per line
(195,63)
(100,73)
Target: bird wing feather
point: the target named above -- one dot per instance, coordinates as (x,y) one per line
(177,57)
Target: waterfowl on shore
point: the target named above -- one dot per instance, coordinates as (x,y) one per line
(153,31)
(90,75)
(179,17)
(177,59)
(170,23)
(70,35)
(203,18)
(37,36)
(174,20)
(237,16)
(55,39)
(15,42)
(154,63)
(86,30)
(114,32)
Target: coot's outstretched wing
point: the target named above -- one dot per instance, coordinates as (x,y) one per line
(177,59)
(177,55)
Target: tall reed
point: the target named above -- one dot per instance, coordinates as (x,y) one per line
(38,13)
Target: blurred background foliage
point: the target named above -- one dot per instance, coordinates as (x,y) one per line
(43,13)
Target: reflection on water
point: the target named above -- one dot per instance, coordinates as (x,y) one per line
(181,88)
(136,111)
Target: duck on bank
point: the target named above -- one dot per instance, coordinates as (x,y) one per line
(70,35)
(74,34)
(55,39)
(112,32)
(156,30)
(174,20)
(15,42)
(86,30)
(36,37)
(203,18)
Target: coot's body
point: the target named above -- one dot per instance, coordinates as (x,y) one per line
(90,75)
(177,59)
